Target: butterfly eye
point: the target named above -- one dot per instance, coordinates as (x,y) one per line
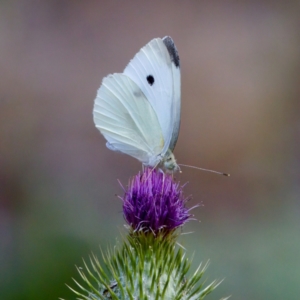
(150,79)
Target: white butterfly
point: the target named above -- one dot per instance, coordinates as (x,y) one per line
(138,111)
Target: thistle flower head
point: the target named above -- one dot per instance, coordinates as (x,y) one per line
(154,202)
(148,265)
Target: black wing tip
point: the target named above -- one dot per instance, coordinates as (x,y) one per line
(169,43)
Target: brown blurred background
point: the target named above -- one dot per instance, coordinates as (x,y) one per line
(240,114)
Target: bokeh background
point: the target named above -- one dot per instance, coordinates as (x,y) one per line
(240,114)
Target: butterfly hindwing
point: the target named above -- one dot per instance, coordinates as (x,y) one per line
(127,120)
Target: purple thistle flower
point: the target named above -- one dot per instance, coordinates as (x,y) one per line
(154,202)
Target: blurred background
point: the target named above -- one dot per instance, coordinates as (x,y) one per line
(240,65)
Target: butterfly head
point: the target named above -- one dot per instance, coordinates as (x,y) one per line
(169,163)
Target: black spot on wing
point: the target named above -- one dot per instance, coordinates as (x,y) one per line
(150,79)
(172,50)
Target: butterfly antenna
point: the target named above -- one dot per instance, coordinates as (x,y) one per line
(207,170)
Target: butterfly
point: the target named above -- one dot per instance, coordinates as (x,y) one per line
(138,111)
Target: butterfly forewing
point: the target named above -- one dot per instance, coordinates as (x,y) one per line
(176,98)
(154,71)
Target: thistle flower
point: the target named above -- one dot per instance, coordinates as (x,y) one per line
(154,202)
(148,264)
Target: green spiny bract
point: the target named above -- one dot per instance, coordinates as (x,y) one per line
(145,267)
